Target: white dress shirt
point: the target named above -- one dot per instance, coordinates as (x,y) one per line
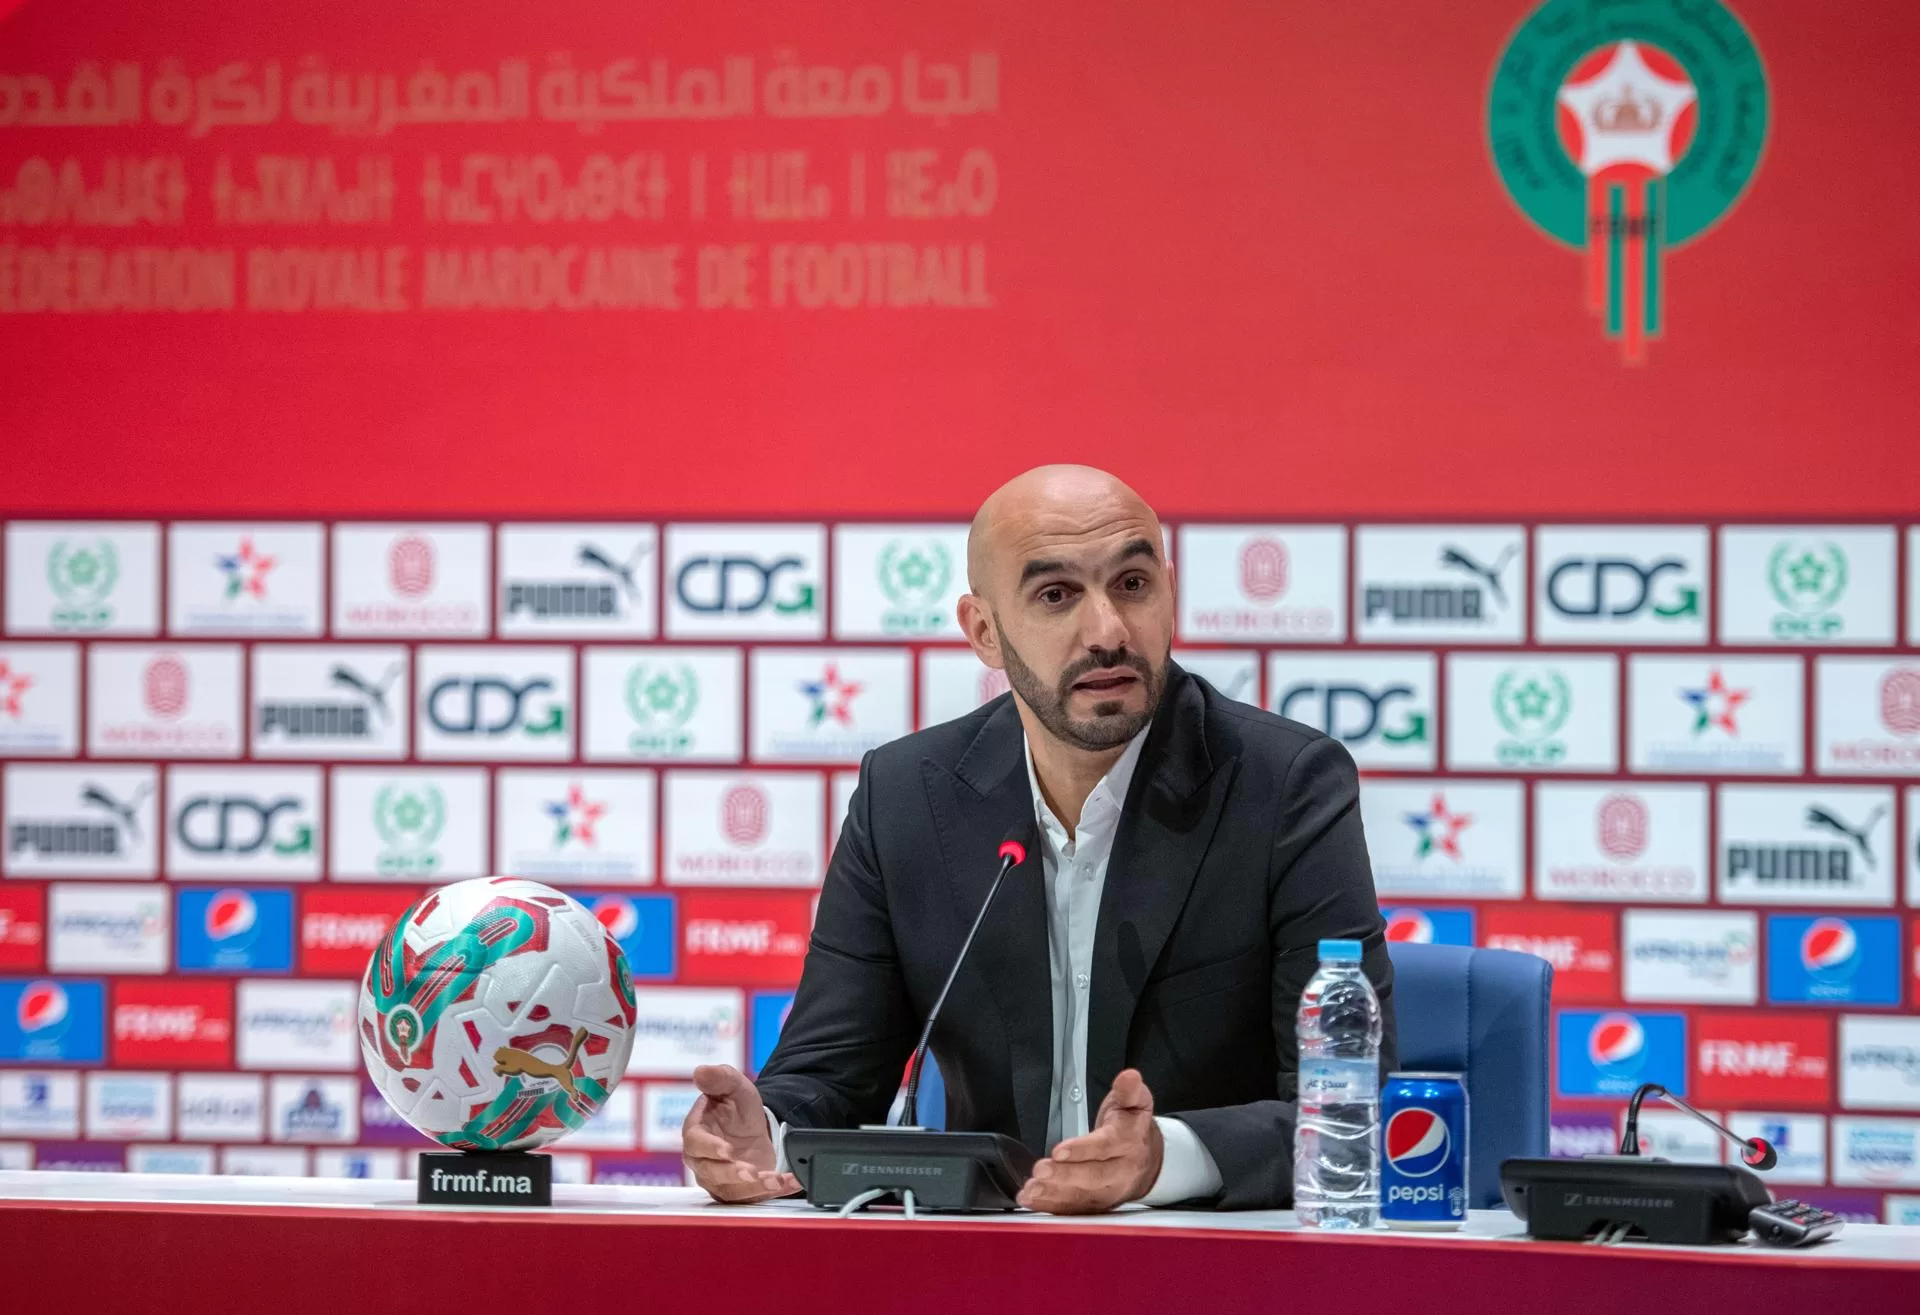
(1076,873)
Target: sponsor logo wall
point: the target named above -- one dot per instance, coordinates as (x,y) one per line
(1679,762)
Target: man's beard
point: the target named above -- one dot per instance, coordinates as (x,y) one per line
(1111,725)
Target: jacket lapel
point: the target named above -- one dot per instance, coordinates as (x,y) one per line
(1166,824)
(976,805)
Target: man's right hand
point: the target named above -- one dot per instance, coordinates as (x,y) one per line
(726,1142)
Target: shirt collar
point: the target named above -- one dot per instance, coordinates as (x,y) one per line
(1115,783)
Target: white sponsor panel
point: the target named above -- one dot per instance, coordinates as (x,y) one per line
(83,578)
(568,1167)
(663,704)
(898,581)
(1800,1141)
(1806,584)
(297,1025)
(16,1155)
(345,701)
(167,1158)
(1280,583)
(1671,1135)
(1816,846)
(612,1128)
(264,1161)
(409,824)
(1383,706)
(39,700)
(222,1107)
(360,1162)
(497,701)
(163,701)
(301,1109)
(581,581)
(953,682)
(1620,841)
(1686,958)
(402,580)
(233,579)
(1415,584)
(677,1027)
(746,582)
(1234,672)
(1903,1210)
(1712,714)
(1605,584)
(844,784)
(112,929)
(1443,838)
(575,826)
(94,821)
(744,828)
(666,1104)
(37,1103)
(1875,1152)
(1867,716)
(1533,712)
(1879,1062)
(227,822)
(129,1106)
(828,704)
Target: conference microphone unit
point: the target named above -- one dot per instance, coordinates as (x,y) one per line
(944,1172)
(1619,1198)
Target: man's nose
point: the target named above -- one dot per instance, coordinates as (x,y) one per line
(1101,625)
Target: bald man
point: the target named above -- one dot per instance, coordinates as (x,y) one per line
(1130,1017)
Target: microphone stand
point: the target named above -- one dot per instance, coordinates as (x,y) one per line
(1755,1152)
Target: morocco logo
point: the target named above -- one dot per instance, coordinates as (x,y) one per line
(1627,130)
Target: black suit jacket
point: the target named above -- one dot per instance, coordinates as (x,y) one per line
(1239,848)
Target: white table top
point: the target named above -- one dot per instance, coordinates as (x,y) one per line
(1873,1243)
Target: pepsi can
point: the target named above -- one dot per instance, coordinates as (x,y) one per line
(1423,1132)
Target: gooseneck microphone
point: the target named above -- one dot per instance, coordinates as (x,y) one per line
(1755,1152)
(1013,852)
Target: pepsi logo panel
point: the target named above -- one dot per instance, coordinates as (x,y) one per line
(1423,1142)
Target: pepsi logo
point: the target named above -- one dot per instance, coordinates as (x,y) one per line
(743,815)
(1263,569)
(165,687)
(1900,701)
(1829,948)
(1410,927)
(617,915)
(1622,825)
(1617,1041)
(230,913)
(43,1005)
(1418,1142)
(410,565)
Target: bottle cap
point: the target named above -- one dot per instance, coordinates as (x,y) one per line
(1339,951)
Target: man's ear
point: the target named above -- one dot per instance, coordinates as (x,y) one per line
(976,623)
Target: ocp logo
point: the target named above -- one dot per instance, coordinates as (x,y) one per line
(1418,1143)
(82,573)
(1807,577)
(738,585)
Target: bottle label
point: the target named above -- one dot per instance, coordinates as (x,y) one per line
(1339,1081)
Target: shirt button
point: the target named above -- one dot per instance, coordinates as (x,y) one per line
(1073,1093)
(1080,980)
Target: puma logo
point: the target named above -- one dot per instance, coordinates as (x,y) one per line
(1457,557)
(508,1061)
(1829,820)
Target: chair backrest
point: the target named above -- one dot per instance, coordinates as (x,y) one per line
(1482,1013)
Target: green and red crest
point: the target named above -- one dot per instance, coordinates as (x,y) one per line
(1626,129)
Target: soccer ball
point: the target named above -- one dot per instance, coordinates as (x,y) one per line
(496,1015)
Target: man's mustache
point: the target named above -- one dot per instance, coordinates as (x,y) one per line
(1107,662)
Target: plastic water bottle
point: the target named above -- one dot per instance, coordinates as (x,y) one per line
(1336,1159)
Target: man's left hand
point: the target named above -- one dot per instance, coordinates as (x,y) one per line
(1117,1162)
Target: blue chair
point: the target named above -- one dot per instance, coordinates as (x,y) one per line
(1482,1013)
(1478,1012)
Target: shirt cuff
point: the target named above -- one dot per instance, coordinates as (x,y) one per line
(778,1131)
(1187,1170)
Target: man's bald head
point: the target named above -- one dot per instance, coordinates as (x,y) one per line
(1050,504)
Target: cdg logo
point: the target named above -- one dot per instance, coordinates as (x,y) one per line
(742,584)
(1583,587)
(1353,714)
(494,705)
(242,824)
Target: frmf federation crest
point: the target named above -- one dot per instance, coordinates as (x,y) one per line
(1626,130)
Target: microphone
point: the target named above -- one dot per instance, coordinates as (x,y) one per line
(1755,1152)
(1013,852)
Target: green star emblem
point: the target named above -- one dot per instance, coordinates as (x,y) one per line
(1809,574)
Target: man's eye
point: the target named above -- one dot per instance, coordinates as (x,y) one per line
(1053,595)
